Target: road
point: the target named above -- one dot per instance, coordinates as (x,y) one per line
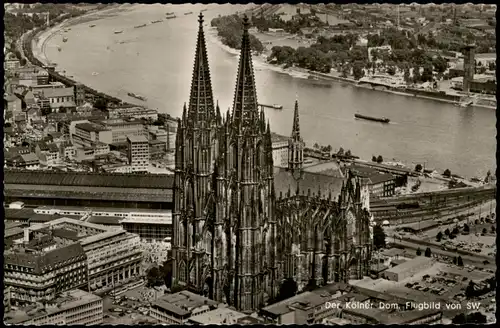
(471,260)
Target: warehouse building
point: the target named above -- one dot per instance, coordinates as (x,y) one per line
(408,268)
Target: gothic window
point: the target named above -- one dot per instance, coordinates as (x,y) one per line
(182,272)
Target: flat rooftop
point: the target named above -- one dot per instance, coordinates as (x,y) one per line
(167,221)
(416,262)
(182,303)
(217,317)
(104,209)
(90,127)
(132,138)
(302,301)
(80,179)
(66,301)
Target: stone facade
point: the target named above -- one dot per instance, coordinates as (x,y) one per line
(228,226)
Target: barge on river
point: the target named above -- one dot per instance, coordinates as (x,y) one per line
(371,118)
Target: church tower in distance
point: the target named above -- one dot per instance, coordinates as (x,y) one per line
(296,144)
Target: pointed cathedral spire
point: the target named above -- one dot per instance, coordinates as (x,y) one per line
(296,126)
(184,114)
(201,102)
(245,106)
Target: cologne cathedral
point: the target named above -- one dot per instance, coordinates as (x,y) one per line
(241,225)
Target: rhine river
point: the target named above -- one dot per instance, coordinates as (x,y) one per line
(157,61)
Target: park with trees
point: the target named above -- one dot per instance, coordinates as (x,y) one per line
(230,30)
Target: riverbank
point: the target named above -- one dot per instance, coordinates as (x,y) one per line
(279,40)
(41,39)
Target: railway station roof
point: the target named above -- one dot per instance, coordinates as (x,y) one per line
(153,181)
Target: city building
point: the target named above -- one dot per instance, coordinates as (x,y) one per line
(157,149)
(149,229)
(138,153)
(75,307)
(408,268)
(123,128)
(136,112)
(68,150)
(39,89)
(178,308)
(484,84)
(219,316)
(280,150)
(12,104)
(379,184)
(382,185)
(42,77)
(89,134)
(277,234)
(302,309)
(151,225)
(42,267)
(58,95)
(113,255)
(383,317)
(48,154)
(29,161)
(79,94)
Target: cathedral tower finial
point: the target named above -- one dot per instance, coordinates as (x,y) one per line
(245,106)
(201,100)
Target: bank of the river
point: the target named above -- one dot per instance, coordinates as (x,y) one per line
(41,39)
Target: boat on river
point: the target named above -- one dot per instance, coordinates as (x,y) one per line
(371,118)
(134,95)
(156,21)
(139,26)
(119,32)
(318,81)
(65,39)
(92,25)
(171,16)
(188,13)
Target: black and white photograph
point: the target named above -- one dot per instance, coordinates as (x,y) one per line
(258,163)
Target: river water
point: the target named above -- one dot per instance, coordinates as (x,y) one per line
(157,61)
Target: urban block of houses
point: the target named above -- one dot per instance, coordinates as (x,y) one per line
(87,134)
(60,98)
(178,308)
(48,154)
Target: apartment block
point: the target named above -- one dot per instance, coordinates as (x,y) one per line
(122,128)
(138,153)
(75,307)
(42,267)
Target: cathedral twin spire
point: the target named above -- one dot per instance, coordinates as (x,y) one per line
(201,100)
(245,106)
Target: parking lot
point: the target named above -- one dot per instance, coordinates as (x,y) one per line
(131,307)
